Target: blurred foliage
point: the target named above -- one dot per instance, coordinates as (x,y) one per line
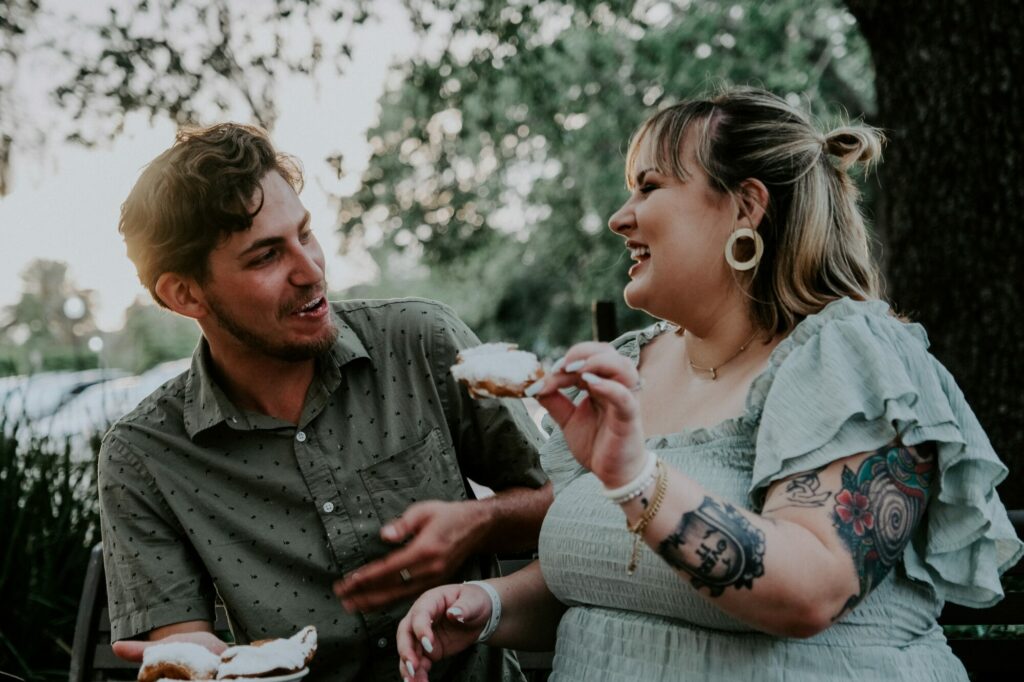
(498,146)
(50,326)
(499,157)
(48,524)
(180,59)
(150,335)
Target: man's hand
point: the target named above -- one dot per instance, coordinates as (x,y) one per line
(440,536)
(130,649)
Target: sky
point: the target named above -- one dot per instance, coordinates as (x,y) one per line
(65,202)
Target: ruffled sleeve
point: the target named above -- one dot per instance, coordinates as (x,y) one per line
(854,378)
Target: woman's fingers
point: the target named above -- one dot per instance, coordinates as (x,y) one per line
(609,364)
(409,653)
(614,396)
(442,622)
(596,358)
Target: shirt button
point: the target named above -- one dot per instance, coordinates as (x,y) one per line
(301,436)
(382,642)
(328,507)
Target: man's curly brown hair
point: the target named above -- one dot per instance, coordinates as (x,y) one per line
(195,195)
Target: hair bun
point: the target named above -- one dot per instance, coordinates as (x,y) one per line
(850,145)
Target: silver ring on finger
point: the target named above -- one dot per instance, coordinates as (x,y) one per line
(405,575)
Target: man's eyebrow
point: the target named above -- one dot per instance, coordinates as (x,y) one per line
(271,241)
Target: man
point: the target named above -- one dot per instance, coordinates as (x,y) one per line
(313,451)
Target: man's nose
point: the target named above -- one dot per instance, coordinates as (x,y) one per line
(308,269)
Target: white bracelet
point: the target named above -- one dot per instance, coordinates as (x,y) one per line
(492,622)
(638,485)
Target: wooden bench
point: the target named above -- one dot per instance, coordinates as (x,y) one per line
(92,659)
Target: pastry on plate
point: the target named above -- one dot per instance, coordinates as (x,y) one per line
(497,370)
(269,657)
(178,661)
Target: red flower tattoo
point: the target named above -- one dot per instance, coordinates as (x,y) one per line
(853,507)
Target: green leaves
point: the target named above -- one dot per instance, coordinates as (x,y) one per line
(48,524)
(546,95)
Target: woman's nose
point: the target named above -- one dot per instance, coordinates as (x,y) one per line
(622,219)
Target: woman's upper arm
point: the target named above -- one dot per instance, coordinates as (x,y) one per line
(866,506)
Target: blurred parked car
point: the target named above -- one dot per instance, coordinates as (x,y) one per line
(26,398)
(66,406)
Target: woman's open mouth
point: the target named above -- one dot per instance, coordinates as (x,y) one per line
(641,254)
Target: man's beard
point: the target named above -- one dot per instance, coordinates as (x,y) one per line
(295,352)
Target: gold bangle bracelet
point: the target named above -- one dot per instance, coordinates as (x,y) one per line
(637,529)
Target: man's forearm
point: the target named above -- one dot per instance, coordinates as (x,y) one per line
(510,520)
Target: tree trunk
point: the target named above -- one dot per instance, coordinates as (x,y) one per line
(952,193)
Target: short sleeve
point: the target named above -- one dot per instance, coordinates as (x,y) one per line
(854,378)
(153,576)
(557,459)
(496,440)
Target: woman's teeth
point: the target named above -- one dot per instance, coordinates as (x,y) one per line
(637,252)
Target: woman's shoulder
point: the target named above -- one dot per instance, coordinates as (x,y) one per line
(849,339)
(632,342)
(850,317)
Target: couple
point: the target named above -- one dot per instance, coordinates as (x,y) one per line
(777,481)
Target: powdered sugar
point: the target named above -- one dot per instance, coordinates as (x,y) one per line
(497,362)
(197,658)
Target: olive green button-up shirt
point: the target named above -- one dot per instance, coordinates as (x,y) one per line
(199,497)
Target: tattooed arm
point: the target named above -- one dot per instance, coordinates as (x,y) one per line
(825,539)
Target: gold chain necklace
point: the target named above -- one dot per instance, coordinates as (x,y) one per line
(714,370)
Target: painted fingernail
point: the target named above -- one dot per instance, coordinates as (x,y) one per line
(591,378)
(408,666)
(557,367)
(456,613)
(389,532)
(427,646)
(534,388)
(575,366)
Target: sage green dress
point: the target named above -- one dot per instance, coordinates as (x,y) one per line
(847,380)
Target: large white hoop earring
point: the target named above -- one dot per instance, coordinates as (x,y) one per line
(730,258)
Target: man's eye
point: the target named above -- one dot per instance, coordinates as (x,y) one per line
(264,257)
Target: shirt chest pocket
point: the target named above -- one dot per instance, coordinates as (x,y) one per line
(424,471)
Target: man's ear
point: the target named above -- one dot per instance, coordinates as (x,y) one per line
(752,202)
(182,295)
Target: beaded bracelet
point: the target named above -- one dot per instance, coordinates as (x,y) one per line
(492,622)
(637,486)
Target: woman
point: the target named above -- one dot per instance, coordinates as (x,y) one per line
(778,481)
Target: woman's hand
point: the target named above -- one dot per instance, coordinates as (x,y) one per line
(441,623)
(603,430)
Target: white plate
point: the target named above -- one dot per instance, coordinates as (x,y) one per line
(276,678)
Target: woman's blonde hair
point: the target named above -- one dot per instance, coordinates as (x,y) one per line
(815,242)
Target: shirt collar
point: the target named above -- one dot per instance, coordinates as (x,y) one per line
(206,405)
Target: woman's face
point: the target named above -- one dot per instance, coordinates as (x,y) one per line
(676,232)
